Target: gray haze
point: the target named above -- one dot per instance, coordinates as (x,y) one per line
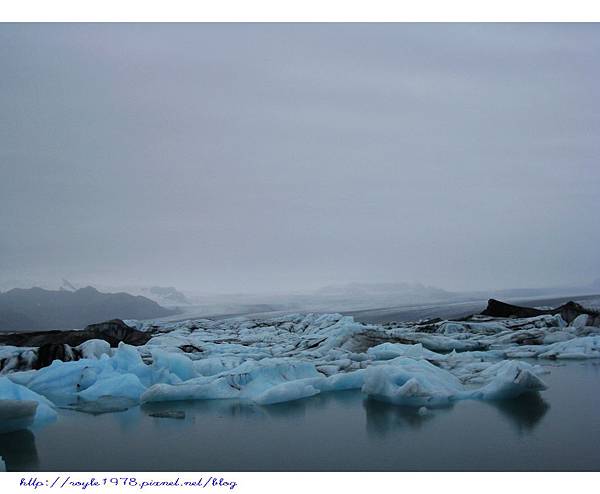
(269,157)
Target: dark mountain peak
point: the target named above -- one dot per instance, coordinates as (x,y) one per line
(36,308)
(67,285)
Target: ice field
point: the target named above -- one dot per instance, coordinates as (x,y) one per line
(423,365)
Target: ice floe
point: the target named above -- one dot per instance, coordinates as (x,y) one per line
(295,356)
(411,382)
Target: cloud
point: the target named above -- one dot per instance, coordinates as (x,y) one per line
(252,157)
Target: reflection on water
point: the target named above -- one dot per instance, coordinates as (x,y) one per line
(18,451)
(232,409)
(383,417)
(105,404)
(525,413)
(340,431)
(235,409)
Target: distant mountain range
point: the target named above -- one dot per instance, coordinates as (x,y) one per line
(167,296)
(37,308)
(73,307)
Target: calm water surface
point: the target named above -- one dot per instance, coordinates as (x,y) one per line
(556,430)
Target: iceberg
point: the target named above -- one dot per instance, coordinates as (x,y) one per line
(342,382)
(295,356)
(94,349)
(250,381)
(580,321)
(418,383)
(576,348)
(174,363)
(509,379)
(118,386)
(410,382)
(388,351)
(288,391)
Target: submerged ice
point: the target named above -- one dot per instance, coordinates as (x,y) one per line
(298,356)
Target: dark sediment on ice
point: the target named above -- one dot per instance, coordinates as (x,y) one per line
(113,332)
(59,345)
(569,311)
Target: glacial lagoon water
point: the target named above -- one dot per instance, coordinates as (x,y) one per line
(558,429)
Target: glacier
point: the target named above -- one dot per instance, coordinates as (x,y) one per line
(267,361)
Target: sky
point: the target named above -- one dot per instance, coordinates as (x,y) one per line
(274,157)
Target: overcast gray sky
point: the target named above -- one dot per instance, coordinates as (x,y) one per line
(260,157)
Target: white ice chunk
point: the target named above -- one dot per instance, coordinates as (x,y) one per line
(387,351)
(250,381)
(288,391)
(488,328)
(439,343)
(94,348)
(557,336)
(215,365)
(117,386)
(207,390)
(577,348)
(580,321)
(418,383)
(341,382)
(411,382)
(510,379)
(128,358)
(177,364)
(65,379)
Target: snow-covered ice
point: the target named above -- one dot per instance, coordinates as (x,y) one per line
(299,355)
